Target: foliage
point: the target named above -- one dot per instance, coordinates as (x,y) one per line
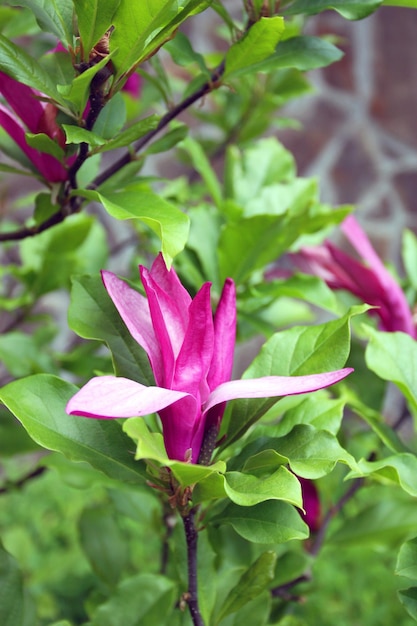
(293,484)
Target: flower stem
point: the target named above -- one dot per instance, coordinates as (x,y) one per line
(191,537)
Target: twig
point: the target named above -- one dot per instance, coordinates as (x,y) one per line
(19,483)
(191,596)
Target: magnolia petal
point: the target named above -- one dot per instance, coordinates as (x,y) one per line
(224,336)
(194,359)
(23,100)
(170,283)
(49,167)
(397,314)
(110,397)
(134,310)
(273,386)
(360,280)
(169,302)
(183,428)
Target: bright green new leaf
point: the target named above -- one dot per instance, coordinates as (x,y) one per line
(350,9)
(18,64)
(400,469)
(39,403)
(137,26)
(256,45)
(393,357)
(92,315)
(248,490)
(267,522)
(46,144)
(150,446)
(309,452)
(76,134)
(316,409)
(53,16)
(94,18)
(407,560)
(252,583)
(139,202)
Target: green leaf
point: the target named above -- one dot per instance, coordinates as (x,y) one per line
(350,9)
(381,524)
(408,598)
(304,53)
(298,351)
(411,4)
(94,18)
(202,165)
(12,604)
(376,421)
(103,543)
(129,135)
(139,202)
(252,583)
(53,16)
(39,403)
(76,245)
(310,453)
(409,253)
(183,54)
(44,143)
(18,64)
(316,409)
(145,599)
(78,91)
(267,522)
(150,446)
(92,315)
(255,46)
(24,354)
(400,469)
(75,134)
(407,560)
(171,138)
(248,490)
(392,356)
(136,26)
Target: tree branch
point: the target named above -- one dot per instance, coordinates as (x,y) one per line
(191,596)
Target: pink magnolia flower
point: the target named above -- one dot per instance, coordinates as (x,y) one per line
(369,279)
(191,355)
(28,113)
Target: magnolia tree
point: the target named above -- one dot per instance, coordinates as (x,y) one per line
(148,477)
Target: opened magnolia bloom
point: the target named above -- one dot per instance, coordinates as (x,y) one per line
(191,355)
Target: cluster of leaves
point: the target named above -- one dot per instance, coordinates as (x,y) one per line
(111,212)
